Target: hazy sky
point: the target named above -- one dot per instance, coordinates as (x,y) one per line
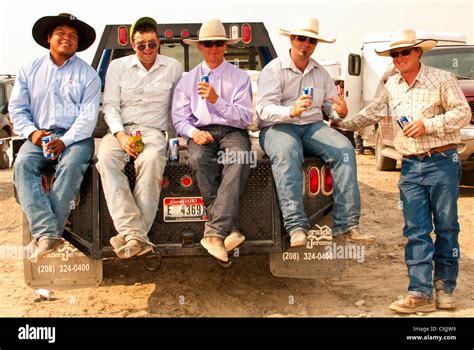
(348,21)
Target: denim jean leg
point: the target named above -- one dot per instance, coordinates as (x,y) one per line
(417,229)
(34,202)
(283,145)
(72,164)
(335,149)
(444,193)
(224,210)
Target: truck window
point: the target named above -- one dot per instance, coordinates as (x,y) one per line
(457,60)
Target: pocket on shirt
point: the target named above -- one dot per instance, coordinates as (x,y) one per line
(71,91)
(131,94)
(159,91)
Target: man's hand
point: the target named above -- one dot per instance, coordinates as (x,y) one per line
(37,135)
(302,104)
(334,123)
(129,147)
(339,105)
(414,129)
(55,146)
(202,137)
(207,91)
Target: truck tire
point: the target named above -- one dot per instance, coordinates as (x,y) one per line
(4,159)
(383,163)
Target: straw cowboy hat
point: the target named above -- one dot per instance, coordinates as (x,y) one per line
(307,27)
(45,25)
(212,30)
(406,38)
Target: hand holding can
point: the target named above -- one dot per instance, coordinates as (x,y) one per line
(309,91)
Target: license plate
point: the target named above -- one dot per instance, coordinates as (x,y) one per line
(178,209)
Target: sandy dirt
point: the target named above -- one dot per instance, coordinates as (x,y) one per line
(197,286)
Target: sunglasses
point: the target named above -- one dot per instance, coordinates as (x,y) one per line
(303,38)
(151,45)
(395,54)
(217,43)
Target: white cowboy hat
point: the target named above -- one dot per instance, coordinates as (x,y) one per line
(307,27)
(406,38)
(213,29)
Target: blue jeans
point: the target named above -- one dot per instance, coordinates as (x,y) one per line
(429,191)
(47,213)
(285,144)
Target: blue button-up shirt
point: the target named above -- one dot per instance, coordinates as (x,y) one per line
(232,108)
(47,97)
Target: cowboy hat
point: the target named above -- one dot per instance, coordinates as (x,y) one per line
(143,20)
(306,27)
(406,38)
(45,26)
(212,30)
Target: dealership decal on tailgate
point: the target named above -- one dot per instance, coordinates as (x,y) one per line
(177,209)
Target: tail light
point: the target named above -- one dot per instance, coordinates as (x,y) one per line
(168,34)
(327,180)
(313,181)
(246,33)
(122,35)
(186,181)
(164,183)
(234,31)
(184,33)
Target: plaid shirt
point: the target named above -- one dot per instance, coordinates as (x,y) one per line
(434,97)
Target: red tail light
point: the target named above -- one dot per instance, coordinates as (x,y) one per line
(184,33)
(313,181)
(327,180)
(186,181)
(164,183)
(168,34)
(122,35)
(246,33)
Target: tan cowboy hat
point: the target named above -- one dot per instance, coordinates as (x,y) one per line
(212,30)
(45,25)
(307,27)
(406,38)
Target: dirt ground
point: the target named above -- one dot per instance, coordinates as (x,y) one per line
(197,286)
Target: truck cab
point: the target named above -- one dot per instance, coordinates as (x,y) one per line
(367,73)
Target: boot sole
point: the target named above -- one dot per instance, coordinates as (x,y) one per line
(425,308)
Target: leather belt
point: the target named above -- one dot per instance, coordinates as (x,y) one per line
(432,151)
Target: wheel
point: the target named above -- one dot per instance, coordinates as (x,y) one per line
(152,263)
(383,163)
(4,159)
(225,264)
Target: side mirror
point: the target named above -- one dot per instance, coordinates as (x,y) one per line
(354,64)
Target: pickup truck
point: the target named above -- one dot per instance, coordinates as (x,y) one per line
(179,222)
(367,73)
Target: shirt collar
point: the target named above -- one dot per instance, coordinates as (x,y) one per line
(287,63)
(68,61)
(217,71)
(420,77)
(136,62)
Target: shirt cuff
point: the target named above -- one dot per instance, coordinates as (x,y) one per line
(28,131)
(188,131)
(66,140)
(116,126)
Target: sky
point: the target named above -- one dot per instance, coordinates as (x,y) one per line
(348,21)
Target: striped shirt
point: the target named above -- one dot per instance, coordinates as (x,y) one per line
(434,97)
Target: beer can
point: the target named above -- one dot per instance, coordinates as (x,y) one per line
(45,294)
(402,121)
(44,142)
(204,78)
(308,91)
(174,149)
(136,138)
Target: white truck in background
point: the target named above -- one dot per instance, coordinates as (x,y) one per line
(366,73)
